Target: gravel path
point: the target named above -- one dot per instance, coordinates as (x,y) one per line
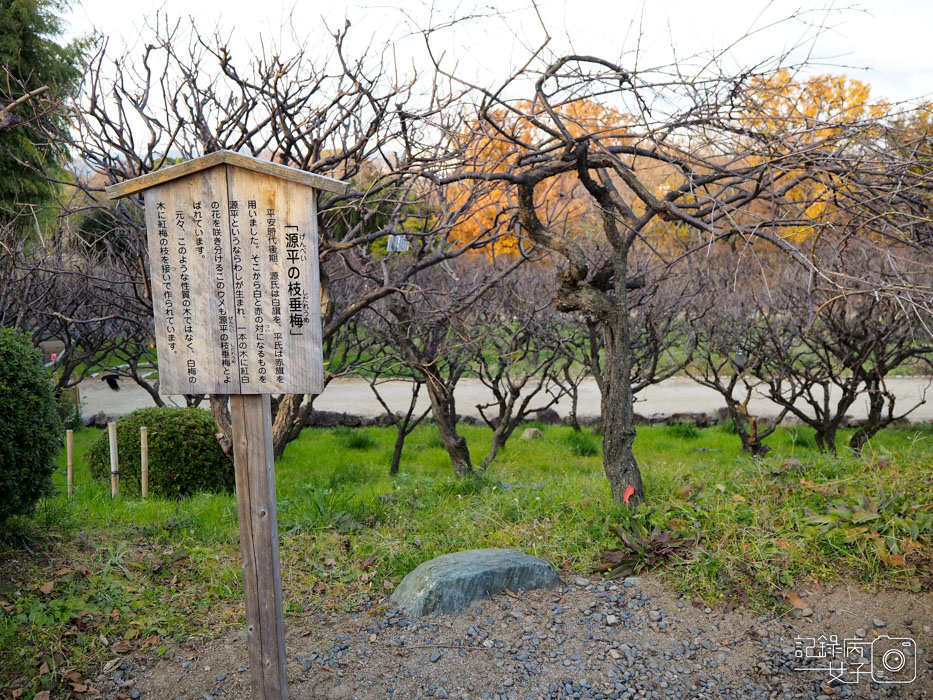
(674,395)
(631,640)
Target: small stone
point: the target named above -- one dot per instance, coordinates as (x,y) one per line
(806,612)
(186,664)
(654,615)
(207,696)
(221,676)
(614,653)
(581,582)
(878,622)
(530,434)
(450,583)
(241,669)
(134,693)
(861,632)
(612,620)
(435,657)
(630,581)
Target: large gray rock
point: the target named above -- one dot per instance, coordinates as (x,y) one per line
(450,583)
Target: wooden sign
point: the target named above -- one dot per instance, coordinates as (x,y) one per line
(236,297)
(234,274)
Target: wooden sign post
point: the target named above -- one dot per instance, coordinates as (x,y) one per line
(233,260)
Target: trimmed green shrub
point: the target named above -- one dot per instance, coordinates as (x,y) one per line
(30,429)
(184,457)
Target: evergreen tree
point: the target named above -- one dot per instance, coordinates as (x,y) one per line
(30,59)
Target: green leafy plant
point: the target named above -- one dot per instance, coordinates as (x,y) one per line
(69,410)
(184,457)
(582,444)
(644,548)
(883,528)
(684,431)
(354,439)
(799,437)
(30,431)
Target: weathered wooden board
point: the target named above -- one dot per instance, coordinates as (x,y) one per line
(189,167)
(251,417)
(236,292)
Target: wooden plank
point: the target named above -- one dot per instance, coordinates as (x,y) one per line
(114,461)
(235,283)
(188,227)
(277,241)
(70,452)
(143,461)
(164,175)
(251,418)
(285,172)
(190,167)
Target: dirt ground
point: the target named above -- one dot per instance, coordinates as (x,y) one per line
(677,394)
(600,640)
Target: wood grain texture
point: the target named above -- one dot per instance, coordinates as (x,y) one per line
(114,461)
(143,461)
(70,456)
(190,167)
(251,417)
(235,283)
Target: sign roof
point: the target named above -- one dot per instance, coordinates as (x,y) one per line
(163,175)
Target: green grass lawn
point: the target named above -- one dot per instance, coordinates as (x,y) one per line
(89,572)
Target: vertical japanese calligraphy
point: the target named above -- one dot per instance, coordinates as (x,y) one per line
(235,283)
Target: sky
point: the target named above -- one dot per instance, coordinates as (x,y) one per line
(883,43)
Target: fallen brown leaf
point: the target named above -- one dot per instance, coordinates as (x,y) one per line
(388,584)
(47,587)
(42,695)
(795,600)
(330,561)
(121,647)
(43,669)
